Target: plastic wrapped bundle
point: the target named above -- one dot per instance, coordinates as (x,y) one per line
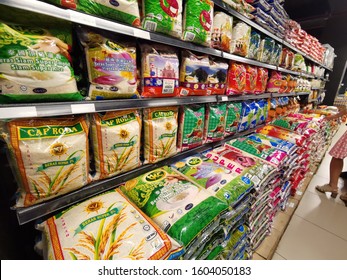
(106,227)
(236,78)
(185,211)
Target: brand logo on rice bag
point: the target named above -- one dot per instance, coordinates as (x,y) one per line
(163,114)
(154,176)
(48,131)
(119,120)
(194,161)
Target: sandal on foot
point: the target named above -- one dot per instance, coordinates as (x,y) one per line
(327,188)
(343,197)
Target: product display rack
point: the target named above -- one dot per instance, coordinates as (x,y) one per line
(45,209)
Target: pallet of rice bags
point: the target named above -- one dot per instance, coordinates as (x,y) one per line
(116,142)
(106,227)
(50,157)
(183,210)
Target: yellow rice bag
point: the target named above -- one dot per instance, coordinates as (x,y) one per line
(50,156)
(106,227)
(160,125)
(116,142)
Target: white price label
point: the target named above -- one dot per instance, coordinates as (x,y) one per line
(168,86)
(18,112)
(82,108)
(224,98)
(82,18)
(299,192)
(142,34)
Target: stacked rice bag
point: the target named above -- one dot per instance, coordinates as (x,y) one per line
(106,227)
(214,122)
(217,77)
(187,213)
(232,118)
(222,31)
(241,39)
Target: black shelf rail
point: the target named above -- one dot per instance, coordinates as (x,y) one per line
(49,208)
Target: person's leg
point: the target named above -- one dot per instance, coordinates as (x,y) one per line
(336,165)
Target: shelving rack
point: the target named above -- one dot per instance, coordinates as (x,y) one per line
(9,111)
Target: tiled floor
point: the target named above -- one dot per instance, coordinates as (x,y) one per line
(318,228)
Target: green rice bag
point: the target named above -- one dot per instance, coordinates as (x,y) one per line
(214,122)
(232,118)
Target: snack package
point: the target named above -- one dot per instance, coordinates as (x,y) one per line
(284,83)
(262,79)
(198,21)
(275,82)
(222,31)
(186,212)
(163,16)
(50,157)
(251,79)
(106,227)
(217,77)
(35,64)
(194,74)
(214,122)
(266,49)
(160,71)
(160,132)
(246,116)
(222,183)
(126,11)
(112,71)
(232,118)
(192,123)
(254,45)
(236,78)
(287,59)
(241,39)
(276,55)
(116,142)
(299,63)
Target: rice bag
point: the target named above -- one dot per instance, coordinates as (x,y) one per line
(254,45)
(251,79)
(276,55)
(232,118)
(280,144)
(50,157)
(116,142)
(261,151)
(187,213)
(214,122)
(194,74)
(241,39)
(192,122)
(198,21)
(164,16)
(222,183)
(272,112)
(266,49)
(299,63)
(217,77)
(263,111)
(222,31)
(293,124)
(106,227)
(236,78)
(275,82)
(246,116)
(262,78)
(160,71)
(35,64)
(160,132)
(255,114)
(126,11)
(111,65)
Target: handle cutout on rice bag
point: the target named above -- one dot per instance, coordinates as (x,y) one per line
(164,16)
(175,204)
(116,142)
(160,133)
(106,227)
(160,71)
(35,64)
(111,63)
(50,157)
(126,11)
(194,74)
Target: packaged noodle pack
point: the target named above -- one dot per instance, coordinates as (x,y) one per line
(164,16)
(194,74)
(160,133)
(236,78)
(251,79)
(217,77)
(186,212)
(106,227)
(111,66)
(223,183)
(214,122)
(198,21)
(50,157)
(35,65)
(232,118)
(160,71)
(126,11)
(190,133)
(116,142)
(222,31)
(262,78)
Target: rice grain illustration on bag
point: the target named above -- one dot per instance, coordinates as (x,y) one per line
(116,142)
(160,129)
(50,157)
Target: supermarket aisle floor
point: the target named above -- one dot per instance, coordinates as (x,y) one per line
(318,228)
